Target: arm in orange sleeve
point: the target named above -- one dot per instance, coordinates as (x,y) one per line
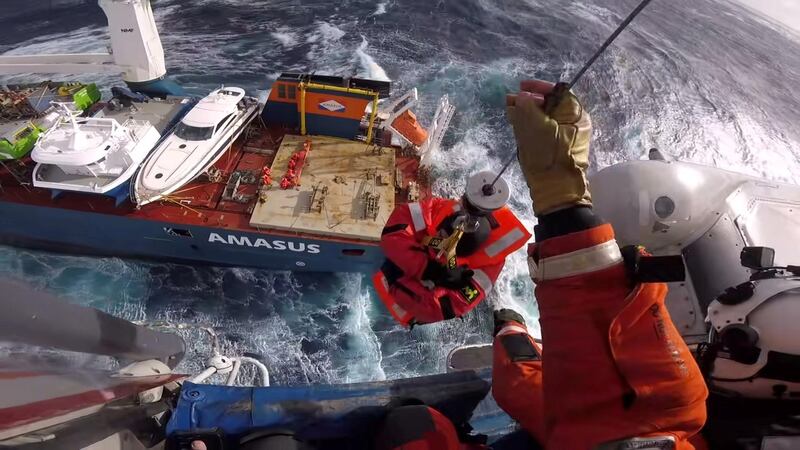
(517,375)
(615,367)
(612,349)
(403,233)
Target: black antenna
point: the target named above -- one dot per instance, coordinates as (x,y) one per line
(554,98)
(488,189)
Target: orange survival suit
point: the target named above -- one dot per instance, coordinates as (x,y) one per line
(615,367)
(410,283)
(613,373)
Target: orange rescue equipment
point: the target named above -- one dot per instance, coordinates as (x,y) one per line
(399,283)
(598,329)
(383,289)
(266,176)
(407,125)
(417,427)
(505,239)
(295,167)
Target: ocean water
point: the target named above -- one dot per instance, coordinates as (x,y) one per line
(703,80)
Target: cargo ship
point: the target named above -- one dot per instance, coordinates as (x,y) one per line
(328,218)
(306,185)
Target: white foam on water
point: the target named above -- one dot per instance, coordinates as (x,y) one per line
(380,8)
(326,31)
(82,40)
(287,37)
(721,133)
(594,13)
(766,13)
(295,332)
(328,50)
(369,68)
(366,363)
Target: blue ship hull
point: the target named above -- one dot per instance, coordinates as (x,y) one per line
(78,232)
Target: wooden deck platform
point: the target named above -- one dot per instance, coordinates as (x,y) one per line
(340,180)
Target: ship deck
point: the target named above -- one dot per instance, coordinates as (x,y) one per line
(346,189)
(160,113)
(227,196)
(9,127)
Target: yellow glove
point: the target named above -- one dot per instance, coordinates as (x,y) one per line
(553,150)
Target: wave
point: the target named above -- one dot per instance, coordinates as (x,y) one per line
(369,68)
(327,32)
(286,37)
(380,9)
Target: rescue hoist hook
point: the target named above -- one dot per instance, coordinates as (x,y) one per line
(553,99)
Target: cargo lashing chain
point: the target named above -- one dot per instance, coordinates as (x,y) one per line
(214,175)
(178,202)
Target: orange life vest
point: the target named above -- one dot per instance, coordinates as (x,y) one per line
(507,236)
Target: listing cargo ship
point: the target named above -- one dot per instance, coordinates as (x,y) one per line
(324,212)
(305,180)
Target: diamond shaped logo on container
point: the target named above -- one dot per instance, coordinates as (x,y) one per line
(332,106)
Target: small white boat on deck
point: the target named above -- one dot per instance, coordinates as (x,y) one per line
(197,142)
(89,154)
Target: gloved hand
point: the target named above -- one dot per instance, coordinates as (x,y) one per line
(503,316)
(445,277)
(553,150)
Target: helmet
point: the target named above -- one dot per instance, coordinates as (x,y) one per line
(754,345)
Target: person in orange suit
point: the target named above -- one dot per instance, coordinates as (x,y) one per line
(613,372)
(419,283)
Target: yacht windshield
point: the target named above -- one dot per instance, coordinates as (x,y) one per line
(191,133)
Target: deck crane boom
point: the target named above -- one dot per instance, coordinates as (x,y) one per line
(136,52)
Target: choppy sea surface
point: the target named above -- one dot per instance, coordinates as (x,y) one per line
(703,80)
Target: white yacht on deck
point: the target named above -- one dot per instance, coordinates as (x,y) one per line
(197,142)
(90,154)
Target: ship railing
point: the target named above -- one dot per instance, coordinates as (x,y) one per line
(135,127)
(105,125)
(227,366)
(389,113)
(395,109)
(99,122)
(437,130)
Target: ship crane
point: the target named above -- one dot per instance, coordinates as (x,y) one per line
(136,52)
